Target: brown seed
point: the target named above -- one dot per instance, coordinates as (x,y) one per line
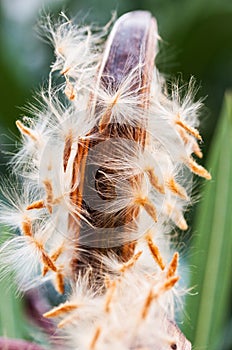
(130,263)
(95,338)
(177,189)
(26,131)
(61,309)
(198,169)
(155,251)
(189,129)
(36,205)
(173,265)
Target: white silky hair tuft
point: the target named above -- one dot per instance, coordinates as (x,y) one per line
(135,194)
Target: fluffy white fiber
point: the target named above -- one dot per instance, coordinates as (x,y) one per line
(132,301)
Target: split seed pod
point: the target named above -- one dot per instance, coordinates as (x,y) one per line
(105,175)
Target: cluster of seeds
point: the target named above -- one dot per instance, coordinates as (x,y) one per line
(102,177)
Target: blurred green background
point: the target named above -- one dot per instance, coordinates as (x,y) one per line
(197,40)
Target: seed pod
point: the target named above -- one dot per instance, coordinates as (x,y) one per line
(130,52)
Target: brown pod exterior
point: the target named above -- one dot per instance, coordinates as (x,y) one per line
(131,46)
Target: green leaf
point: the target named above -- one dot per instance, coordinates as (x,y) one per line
(11,312)
(211,260)
(12,322)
